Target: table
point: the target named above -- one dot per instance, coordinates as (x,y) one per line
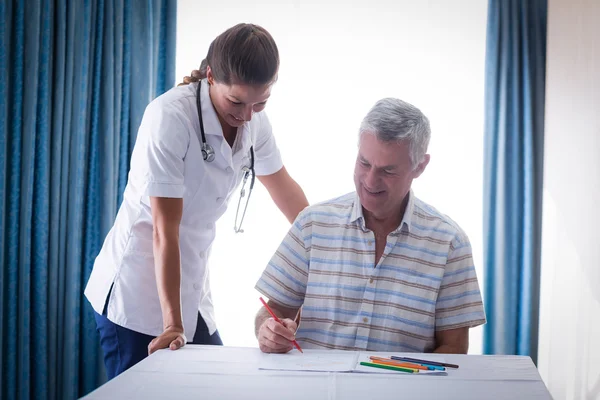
(217,372)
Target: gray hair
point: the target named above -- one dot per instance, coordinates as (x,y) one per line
(396,120)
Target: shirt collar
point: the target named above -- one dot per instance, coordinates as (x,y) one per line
(356,216)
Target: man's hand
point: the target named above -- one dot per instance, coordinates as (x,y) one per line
(274,337)
(196,75)
(172,337)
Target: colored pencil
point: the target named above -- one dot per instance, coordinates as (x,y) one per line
(390,367)
(417,360)
(399,363)
(393,364)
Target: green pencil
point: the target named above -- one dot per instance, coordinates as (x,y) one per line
(368,364)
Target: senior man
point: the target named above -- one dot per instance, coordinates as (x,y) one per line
(376,269)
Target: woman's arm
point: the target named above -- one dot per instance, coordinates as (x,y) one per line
(285,192)
(166,217)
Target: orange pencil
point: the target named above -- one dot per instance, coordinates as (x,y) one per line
(381,360)
(396,365)
(278,320)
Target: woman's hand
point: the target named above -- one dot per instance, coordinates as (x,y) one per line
(172,337)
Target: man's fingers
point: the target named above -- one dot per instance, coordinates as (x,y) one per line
(269,346)
(271,339)
(280,330)
(278,339)
(290,324)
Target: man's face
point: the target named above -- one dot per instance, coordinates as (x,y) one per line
(383,175)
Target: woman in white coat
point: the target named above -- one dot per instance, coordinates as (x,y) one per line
(196,143)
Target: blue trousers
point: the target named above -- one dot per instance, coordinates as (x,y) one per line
(123,348)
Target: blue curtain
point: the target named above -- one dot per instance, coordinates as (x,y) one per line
(75,77)
(514,130)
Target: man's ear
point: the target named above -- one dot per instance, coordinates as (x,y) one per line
(422,165)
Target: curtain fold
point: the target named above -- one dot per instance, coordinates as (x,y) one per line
(513,164)
(75,78)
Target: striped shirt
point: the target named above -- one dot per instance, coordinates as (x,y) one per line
(424,282)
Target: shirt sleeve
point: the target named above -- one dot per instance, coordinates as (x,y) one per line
(161,147)
(267,157)
(459,302)
(285,277)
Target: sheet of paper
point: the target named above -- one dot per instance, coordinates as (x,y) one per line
(365,357)
(310,360)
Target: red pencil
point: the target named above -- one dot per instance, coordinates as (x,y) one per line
(278,320)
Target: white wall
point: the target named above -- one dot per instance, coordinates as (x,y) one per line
(337,59)
(569,346)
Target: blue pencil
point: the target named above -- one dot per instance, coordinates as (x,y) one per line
(429,363)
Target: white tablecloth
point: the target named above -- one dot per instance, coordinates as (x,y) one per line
(216,372)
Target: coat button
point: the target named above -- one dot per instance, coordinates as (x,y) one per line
(196,286)
(229,170)
(365,319)
(371,280)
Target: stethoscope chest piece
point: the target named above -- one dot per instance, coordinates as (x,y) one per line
(208,153)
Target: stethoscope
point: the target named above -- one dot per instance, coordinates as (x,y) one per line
(208,154)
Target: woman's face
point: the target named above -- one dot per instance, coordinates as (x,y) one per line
(236,103)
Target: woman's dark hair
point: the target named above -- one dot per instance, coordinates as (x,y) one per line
(245,53)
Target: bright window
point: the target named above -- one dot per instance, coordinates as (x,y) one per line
(337,60)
